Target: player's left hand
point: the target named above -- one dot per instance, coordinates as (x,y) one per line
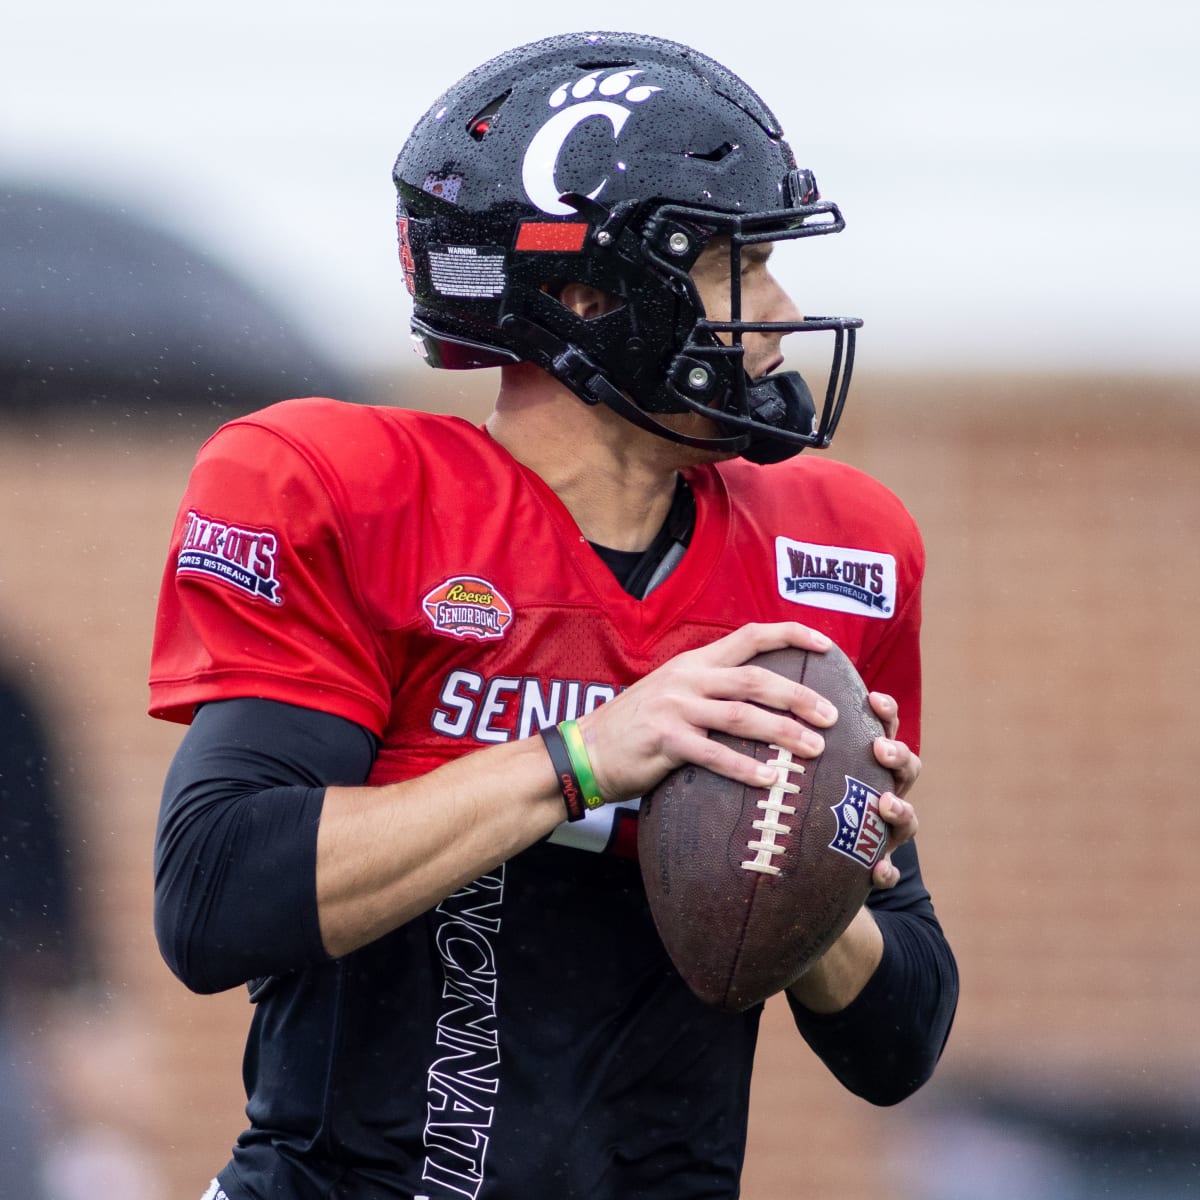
(899,814)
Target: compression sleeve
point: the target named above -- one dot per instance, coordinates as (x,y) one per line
(887,1041)
(236,849)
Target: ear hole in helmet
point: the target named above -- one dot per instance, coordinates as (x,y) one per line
(585,301)
(480,124)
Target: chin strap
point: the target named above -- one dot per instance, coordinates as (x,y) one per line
(597,385)
(777,412)
(572,367)
(781,420)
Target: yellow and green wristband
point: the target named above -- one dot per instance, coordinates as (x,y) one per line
(571,764)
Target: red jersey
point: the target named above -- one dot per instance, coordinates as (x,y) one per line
(402,571)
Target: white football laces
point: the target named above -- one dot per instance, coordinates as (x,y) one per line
(774,806)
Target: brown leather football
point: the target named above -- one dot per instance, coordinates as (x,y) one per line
(749,886)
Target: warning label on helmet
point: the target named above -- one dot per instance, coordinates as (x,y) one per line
(476,272)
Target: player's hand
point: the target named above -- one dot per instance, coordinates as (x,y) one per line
(899,814)
(664,719)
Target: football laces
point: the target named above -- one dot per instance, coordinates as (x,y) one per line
(774,806)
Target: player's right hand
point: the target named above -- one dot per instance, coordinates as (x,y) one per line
(664,719)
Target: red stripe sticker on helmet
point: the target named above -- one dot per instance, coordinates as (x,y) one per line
(552,235)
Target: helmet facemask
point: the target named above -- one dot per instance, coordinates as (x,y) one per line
(772,417)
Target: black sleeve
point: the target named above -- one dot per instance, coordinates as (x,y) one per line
(886,1043)
(236,850)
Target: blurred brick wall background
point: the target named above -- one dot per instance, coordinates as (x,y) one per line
(1058,835)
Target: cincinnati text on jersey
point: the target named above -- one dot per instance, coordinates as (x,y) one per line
(463,1081)
(241,556)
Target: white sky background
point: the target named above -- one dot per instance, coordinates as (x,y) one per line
(1021,181)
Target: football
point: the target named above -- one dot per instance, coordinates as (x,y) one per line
(749,886)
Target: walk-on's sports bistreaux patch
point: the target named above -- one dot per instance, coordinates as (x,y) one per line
(242,556)
(841,578)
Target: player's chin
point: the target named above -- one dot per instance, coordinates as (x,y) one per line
(762,365)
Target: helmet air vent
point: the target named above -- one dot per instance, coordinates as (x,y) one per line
(480,124)
(725,148)
(605,64)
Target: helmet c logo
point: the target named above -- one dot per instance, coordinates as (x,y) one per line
(541,157)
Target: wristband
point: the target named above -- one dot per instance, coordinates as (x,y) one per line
(582,764)
(568,784)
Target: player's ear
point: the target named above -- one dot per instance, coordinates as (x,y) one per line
(586,301)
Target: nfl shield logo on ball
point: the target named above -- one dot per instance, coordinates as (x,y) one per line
(861,831)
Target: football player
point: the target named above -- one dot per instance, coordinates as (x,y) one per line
(428,668)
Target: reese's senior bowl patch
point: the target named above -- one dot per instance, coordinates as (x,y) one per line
(242,556)
(466,607)
(841,578)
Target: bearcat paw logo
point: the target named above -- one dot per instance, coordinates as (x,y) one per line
(593,95)
(616,85)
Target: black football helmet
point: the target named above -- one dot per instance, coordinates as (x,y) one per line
(611,159)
